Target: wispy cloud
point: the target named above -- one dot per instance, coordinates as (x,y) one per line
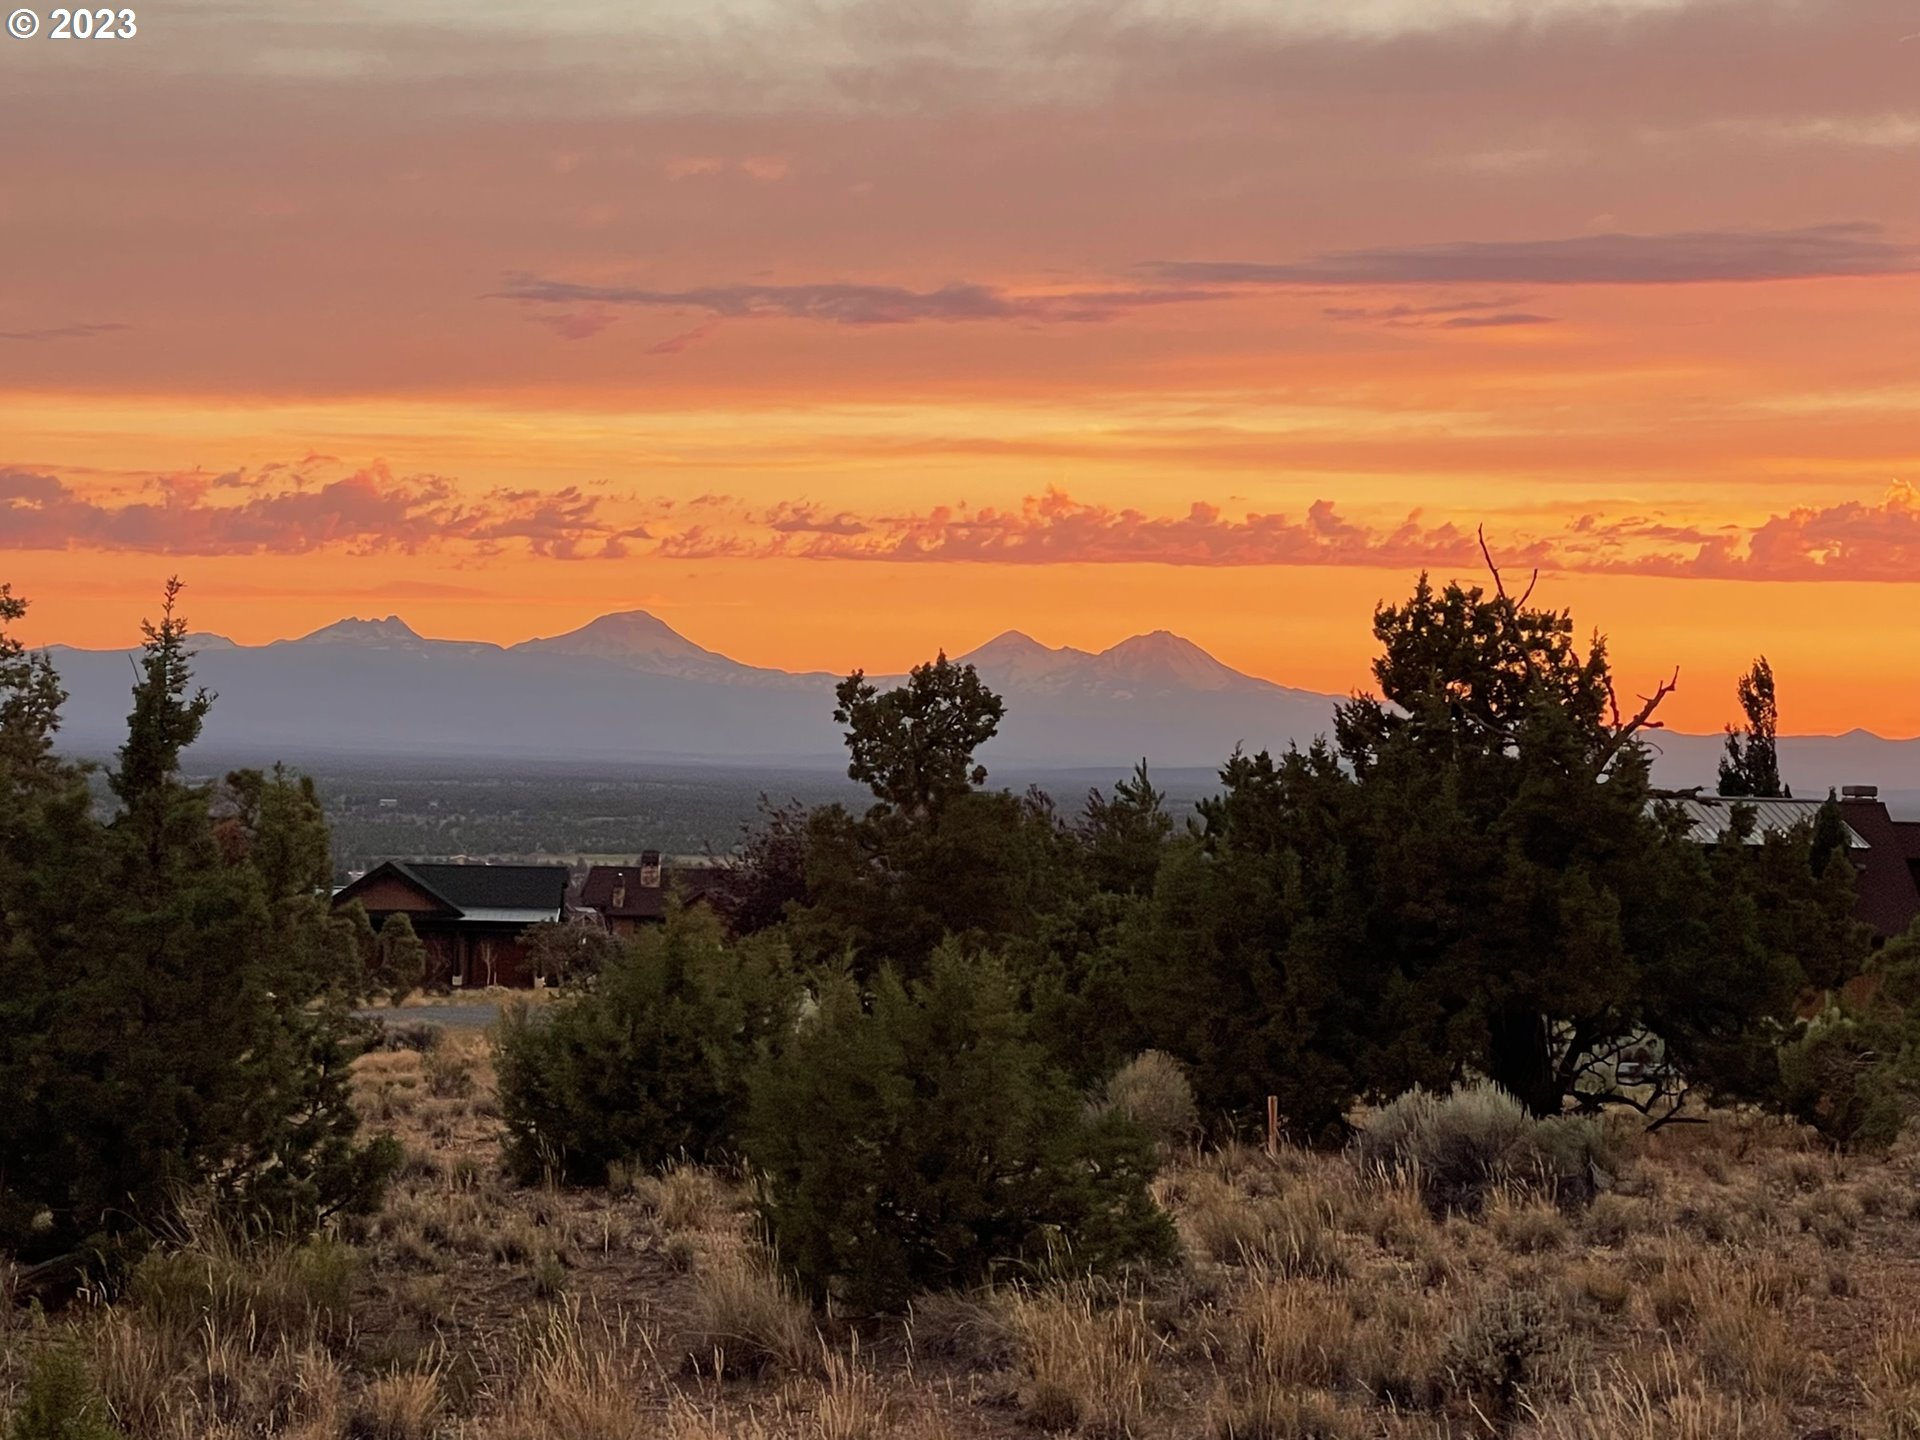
(77,331)
(852,304)
(1680,258)
(1457,315)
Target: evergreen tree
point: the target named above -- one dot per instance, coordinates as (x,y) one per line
(1126,837)
(173,997)
(30,701)
(649,1062)
(1475,880)
(913,745)
(1751,765)
(922,1142)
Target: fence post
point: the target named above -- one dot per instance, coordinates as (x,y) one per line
(1273,1125)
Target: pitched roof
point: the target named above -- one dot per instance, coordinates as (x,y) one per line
(499,893)
(1710,816)
(607,883)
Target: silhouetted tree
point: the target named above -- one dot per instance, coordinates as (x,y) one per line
(1126,837)
(913,745)
(768,873)
(1751,765)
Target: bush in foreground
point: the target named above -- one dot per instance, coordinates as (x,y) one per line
(1153,1091)
(647,1065)
(921,1142)
(1460,1147)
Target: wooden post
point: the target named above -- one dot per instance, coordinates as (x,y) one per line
(1273,1125)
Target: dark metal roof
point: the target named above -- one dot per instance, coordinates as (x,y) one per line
(468,889)
(1709,816)
(644,902)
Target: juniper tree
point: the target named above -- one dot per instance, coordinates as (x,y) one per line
(172,997)
(1475,878)
(914,745)
(916,1138)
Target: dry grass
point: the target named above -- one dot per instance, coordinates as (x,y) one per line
(1732,1281)
(745,1320)
(1088,1367)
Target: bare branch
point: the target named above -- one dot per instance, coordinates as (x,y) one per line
(1642,720)
(1493,569)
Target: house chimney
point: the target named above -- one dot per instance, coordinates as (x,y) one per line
(1859,792)
(650,869)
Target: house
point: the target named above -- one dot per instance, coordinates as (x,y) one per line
(471,917)
(629,897)
(1885,851)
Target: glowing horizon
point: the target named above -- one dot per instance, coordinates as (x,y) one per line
(837,339)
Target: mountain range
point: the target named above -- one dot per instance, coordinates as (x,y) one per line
(629,688)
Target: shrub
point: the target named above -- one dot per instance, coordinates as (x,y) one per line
(646,1065)
(1853,1074)
(60,1401)
(1460,1147)
(925,1144)
(1153,1091)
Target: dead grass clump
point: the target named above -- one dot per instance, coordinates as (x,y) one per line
(1397,1219)
(1266,1411)
(1613,1219)
(1396,1351)
(1526,1225)
(1729,1313)
(961,1328)
(852,1404)
(684,1197)
(1296,1336)
(1293,1231)
(1088,1368)
(449,1072)
(586,1377)
(266,1291)
(746,1320)
(406,1406)
(1892,1384)
(1831,1217)
(1621,1408)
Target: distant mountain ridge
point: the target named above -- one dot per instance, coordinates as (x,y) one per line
(629,687)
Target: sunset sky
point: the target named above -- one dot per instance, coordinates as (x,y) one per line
(834,333)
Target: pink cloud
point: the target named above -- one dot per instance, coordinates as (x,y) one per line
(368,511)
